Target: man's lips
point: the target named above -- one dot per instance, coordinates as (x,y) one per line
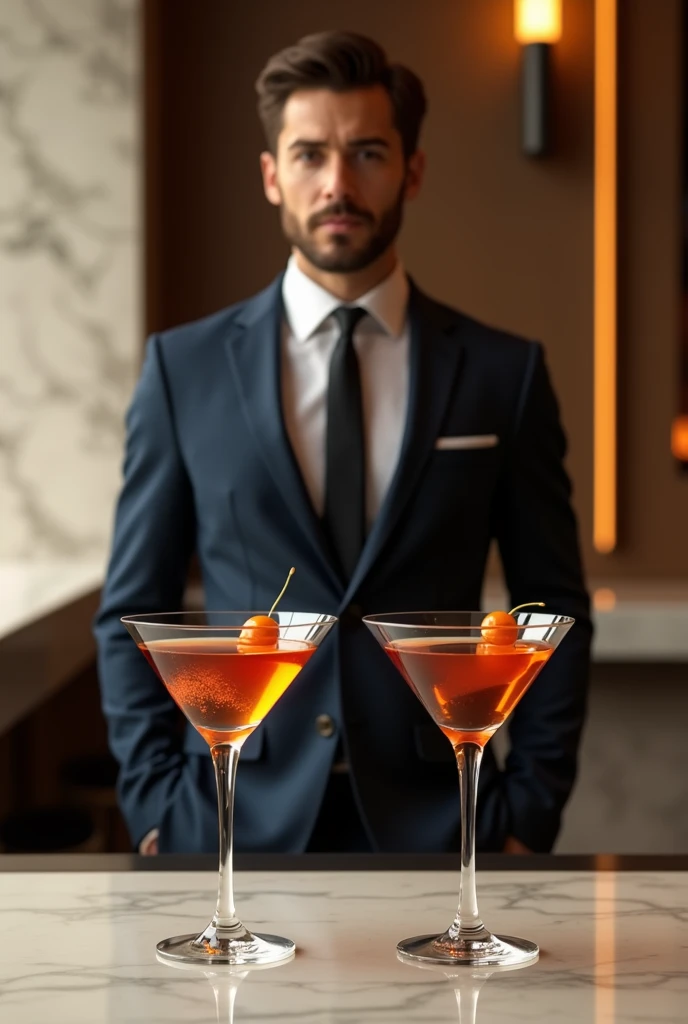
(339,221)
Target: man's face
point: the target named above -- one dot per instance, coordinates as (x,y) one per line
(340,177)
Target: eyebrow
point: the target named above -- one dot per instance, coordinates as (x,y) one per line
(373,140)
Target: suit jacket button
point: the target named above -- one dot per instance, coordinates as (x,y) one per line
(325,725)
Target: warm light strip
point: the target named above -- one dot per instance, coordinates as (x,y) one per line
(605,322)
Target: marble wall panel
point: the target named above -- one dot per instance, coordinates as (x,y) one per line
(69,268)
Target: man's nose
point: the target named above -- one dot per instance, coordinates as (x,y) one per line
(339,178)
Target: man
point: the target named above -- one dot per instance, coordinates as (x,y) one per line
(304,427)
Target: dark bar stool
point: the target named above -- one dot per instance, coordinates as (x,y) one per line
(89,783)
(50,830)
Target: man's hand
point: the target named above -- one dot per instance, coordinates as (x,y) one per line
(148,847)
(513,845)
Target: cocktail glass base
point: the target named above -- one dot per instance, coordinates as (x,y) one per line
(491,951)
(225,946)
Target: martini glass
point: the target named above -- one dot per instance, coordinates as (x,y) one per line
(226,684)
(470,686)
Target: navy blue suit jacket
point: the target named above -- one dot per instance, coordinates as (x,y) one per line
(209,469)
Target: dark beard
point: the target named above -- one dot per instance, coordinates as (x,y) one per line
(344,260)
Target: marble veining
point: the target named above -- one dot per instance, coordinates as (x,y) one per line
(77,948)
(69,268)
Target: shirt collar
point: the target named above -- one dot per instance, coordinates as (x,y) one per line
(307,304)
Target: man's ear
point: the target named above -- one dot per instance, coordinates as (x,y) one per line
(268,168)
(415,172)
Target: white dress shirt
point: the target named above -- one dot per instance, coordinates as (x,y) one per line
(381,340)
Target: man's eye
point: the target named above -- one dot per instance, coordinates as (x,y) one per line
(365,155)
(309,156)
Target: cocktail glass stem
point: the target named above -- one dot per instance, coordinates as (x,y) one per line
(467,923)
(225,929)
(467,941)
(225,760)
(467,931)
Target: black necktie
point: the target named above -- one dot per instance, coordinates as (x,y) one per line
(344,514)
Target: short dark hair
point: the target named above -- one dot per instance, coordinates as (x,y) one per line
(339,61)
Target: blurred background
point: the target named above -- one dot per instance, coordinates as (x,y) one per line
(130,201)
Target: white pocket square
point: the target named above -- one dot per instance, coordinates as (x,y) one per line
(466,441)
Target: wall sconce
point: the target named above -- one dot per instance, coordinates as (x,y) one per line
(537,24)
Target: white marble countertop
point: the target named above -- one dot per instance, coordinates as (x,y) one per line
(641,621)
(634,620)
(46,610)
(31,590)
(80,947)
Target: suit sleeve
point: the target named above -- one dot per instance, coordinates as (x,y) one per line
(537,534)
(154,536)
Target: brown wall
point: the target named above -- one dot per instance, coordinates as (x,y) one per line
(654,495)
(505,238)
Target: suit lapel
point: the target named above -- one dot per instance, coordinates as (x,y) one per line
(435,360)
(254,351)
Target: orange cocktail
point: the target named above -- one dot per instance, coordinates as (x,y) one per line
(225,691)
(470,688)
